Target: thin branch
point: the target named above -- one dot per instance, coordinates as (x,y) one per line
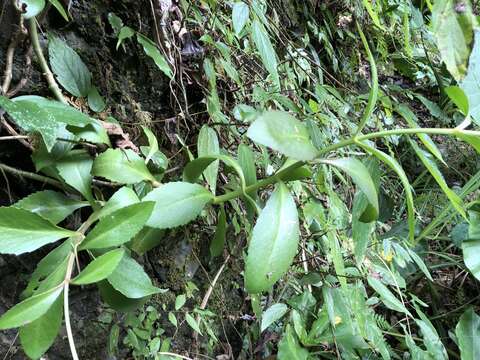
(30,175)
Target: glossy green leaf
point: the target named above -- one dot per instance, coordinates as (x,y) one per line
(146,239)
(404,111)
(453,32)
(361,177)
(69,69)
(265,49)
(207,144)
(468,333)
(151,50)
(22,231)
(130,279)
(193,323)
(176,203)
(152,143)
(289,348)
(458,97)
(240,14)
(100,268)
(123,166)
(282,132)
(118,227)
(395,166)
(430,164)
(30,309)
(471,84)
(37,336)
(218,242)
(58,5)
(32,7)
(123,197)
(272,314)
(50,205)
(386,296)
(95,100)
(75,171)
(274,242)
(471,246)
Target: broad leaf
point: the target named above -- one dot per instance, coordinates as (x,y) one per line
(37,337)
(30,309)
(207,144)
(116,300)
(468,333)
(289,348)
(32,7)
(282,132)
(457,95)
(193,323)
(151,50)
(218,242)
(361,177)
(240,15)
(22,231)
(274,242)
(471,246)
(176,203)
(71,72)
(180,300)
(122,198)
(130,279)
(95,100)
(123,166)
(118,227)
(454,32)
(471,84)
(386,296)
(265,49)
(146,239)
(272,314)
(50,205)
(100,268)
(75,170)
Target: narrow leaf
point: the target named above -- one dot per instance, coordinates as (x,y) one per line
(218,241)
(240,15)
(207,144)
(265,49)
(100,268)
(151,50)
(152,143)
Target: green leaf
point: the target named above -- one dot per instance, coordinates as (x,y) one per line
(100,268)
(457,95)
(386,296)
(289,348)
(194,169)
(75,170)
(116,300)
(146,239)
(50,205)
(152,143)
(272,314)
(123,166)
(115,22)
(30,309)
(58,5)
(468,333)
(246,159)
(180,300)
(430,164)
(395,166)
(274,242)
(95,100)
(282,132)
(193,323)
(373,14)
(125,32)
(176,203)
(130,279)
(361,177)
(240,14)
(32,7)
(360,230)
(471,246)
(22,231)
(46,117)
(218,241)
(471,84)
(265,49)
(37,337)
(453,32)
(71,72)
(118,227)
(151,50)
(207,144)
(122,198)
(404,111)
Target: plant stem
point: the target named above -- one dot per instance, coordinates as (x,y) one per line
(30,175)
(343,143)
(52,84)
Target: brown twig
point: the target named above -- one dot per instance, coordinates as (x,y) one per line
(13,132)
(18,37)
